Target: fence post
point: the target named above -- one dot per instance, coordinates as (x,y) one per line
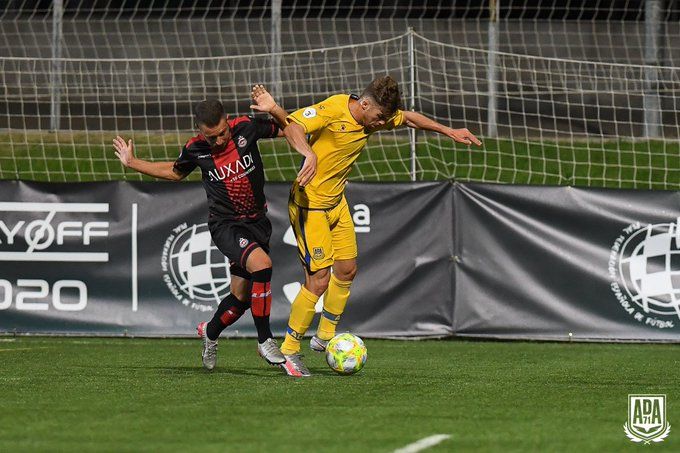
(491,69)
(412,99)
(55,67)
(276,88)
(651,101)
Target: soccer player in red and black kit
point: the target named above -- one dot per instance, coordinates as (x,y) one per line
(227,153)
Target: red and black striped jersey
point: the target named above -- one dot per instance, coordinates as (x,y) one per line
(233,177)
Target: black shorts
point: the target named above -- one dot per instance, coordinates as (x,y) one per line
(237,239)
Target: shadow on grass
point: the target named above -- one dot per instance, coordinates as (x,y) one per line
(322,371)
(265,372)
(197,370)
(241,371)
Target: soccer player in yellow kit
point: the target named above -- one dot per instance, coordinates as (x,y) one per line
(338,128)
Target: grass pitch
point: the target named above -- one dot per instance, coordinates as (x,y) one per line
(82,394)
(652,164)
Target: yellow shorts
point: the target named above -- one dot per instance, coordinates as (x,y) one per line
(323,236)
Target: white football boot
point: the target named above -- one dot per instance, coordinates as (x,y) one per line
(270,352)
(294,366)
(316,344)
(209,354)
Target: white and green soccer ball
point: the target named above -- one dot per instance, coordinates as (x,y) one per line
(346,353)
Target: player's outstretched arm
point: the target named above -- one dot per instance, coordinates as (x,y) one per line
(420,121)
(263,101)
(295,134)
(125,152)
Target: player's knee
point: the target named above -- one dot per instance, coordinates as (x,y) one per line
(346,273)
(318,282)
(241,293)
(318,287)
(266,262)
(257,261)
(263,263)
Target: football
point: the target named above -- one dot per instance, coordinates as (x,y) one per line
(346,353)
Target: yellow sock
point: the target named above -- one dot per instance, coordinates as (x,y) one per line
(301,315)
(333,306)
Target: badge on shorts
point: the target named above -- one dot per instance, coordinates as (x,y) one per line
(242,242)
(318,253)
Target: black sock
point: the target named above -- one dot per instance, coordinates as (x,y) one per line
(261,303)
(228,312)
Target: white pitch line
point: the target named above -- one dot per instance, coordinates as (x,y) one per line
(424,443)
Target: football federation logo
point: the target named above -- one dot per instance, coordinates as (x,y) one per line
(318,253)
(194,270)
(647,419)
(644,266)
(241,141)
(242,242)
(309,112)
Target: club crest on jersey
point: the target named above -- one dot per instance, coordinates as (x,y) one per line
(241,141)
(318,253)
(309,112)
(242,242)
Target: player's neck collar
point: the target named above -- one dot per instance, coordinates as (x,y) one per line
(354,106)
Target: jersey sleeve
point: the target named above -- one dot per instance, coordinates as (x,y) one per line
(265,128)
(395,121)
(311,118)
(185,163)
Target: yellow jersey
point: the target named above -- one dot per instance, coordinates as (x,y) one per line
(337,140)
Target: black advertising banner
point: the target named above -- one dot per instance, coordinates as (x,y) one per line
(562,262)
(435,259)
(136,258)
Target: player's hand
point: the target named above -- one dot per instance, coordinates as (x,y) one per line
(308,170)
(463,136)
(263,101)
(124,151)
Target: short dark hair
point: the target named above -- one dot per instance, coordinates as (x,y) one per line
(209,112)
(385,92)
